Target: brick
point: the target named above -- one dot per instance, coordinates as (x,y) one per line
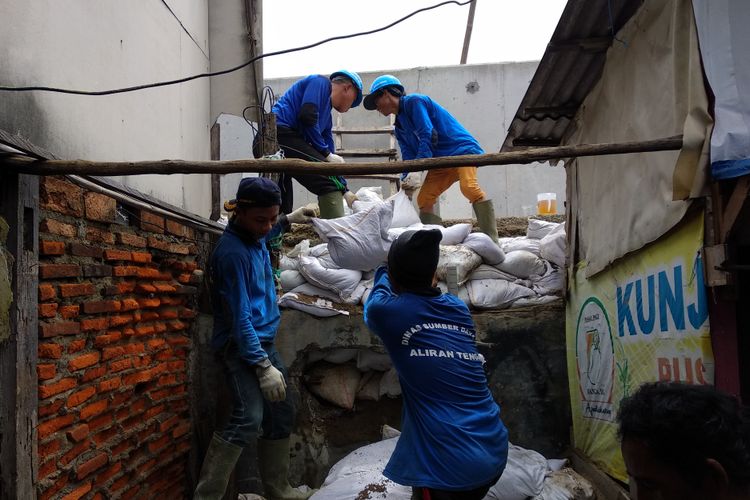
(116,255)
(46,292)
(75,452)
(176,325)
(167,380)
(97,461)
(120,365)
(186,290)
(148,272)
(176,248)
(156,344)
(96,270)
(101,306)
(52,491)
(151,222)
(110,384)
(56,227)
(78,492)
(141,257)
(184,278)
(69,312)
(149,315)
(53,425)
(120,483)
(84,361)
(135,348)
(95,235)
(100,207)
(105,435)
(60,196)
(159,444)
(47,330)
(122,271)
(52,271)
(120,288)
(46,450)
(106,339)
(181,430)
(93,409)
(101,421)
(48,247)
(144,330)
(80,250)
(148,303)
(131,240)
(53,408)
(48,310)
(129,304)
(47,468)
(45,371)
(88,325)
(122,319)
(145,288)
(112,352)
(169,423)
(164,287)
(154,411)
(108,474)
(80,397)
(137,377)
(186,313)
(94,373)
(76,345)
(78,433)
(76,289)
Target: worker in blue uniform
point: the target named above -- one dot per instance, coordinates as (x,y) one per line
(453,444)
(246,317)
(424,129)
(304,129)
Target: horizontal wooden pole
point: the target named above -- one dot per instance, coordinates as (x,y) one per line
(295,166)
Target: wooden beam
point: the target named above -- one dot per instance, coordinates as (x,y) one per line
(734,206)
(296,166)
(467,35)
(215,178)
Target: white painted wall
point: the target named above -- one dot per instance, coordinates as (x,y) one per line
(484,98)
(109,44)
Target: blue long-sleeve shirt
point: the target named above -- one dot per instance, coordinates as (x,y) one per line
(425,129)
(452,437)
(306,107)
(244,293)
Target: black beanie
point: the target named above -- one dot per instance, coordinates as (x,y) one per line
(413,258)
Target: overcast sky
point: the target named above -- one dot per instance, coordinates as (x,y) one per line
(504,30)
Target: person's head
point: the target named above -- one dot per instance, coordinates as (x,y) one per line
(256,207)
(685,442)
(385,93)
(413,259)
(346,90)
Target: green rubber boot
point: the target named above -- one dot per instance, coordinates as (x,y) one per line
(273,464)
(331,205)
(217,467)
(486,218)
(430,218)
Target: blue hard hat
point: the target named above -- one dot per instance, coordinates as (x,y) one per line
(379,83)
(356,80)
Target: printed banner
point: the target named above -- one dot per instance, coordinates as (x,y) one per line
(644,319)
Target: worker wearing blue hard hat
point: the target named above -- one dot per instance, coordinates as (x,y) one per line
(424,129)
(304,129)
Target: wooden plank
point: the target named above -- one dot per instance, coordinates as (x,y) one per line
(215,178)
(607,488)
(467,34)
(296,166)
(18,352)
(736,201)
(366,152)
(363,130)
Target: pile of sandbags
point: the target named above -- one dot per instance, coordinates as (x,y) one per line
(514,272)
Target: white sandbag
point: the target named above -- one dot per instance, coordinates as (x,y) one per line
(495,294)
(369,386)
(321,253)
(287,263)
(291,280)
(336,384)
(370,194)
(553,246)
(301,248)
(360,475)
(453,235)
(404,213)
(389,384)
(552,283)
(522,264)
(463,292)
(365,296)
(316,306)
(522,478)
(521,243)
(315,291)
(536,300)
(358,241)
(388,432)
(343,282)
(538,229)
(566,484)
(487,272)
(356,296)
(366,285)
(362,206)
(488,250)
(340,355)
(371,360)
(462,257)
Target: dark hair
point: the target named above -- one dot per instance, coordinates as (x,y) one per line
(683,425)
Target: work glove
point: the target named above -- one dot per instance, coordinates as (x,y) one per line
(411,181)
(302,215)
(272,383)
(334,158)
(350,198)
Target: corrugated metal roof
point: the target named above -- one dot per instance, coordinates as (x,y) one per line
(569,69)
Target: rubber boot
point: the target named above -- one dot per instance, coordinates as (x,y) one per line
(217,467)
(273,464)
(486,218)
(430,218)
(331,205)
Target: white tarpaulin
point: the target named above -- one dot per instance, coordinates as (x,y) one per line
(724,35)
(651,87)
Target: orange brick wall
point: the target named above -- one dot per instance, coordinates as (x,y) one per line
(116,305)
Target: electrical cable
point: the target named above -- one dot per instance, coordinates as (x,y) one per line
(229,70)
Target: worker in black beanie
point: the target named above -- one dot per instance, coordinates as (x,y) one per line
(431,339)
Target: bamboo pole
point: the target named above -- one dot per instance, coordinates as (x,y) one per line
(296,166)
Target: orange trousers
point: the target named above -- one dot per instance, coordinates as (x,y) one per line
(438,181)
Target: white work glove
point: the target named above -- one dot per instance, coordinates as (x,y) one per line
(272,383)
(350,198)
(334,158)
(301,216)
(412,181)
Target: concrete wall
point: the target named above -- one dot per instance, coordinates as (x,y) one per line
(484,98)
(103,45)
